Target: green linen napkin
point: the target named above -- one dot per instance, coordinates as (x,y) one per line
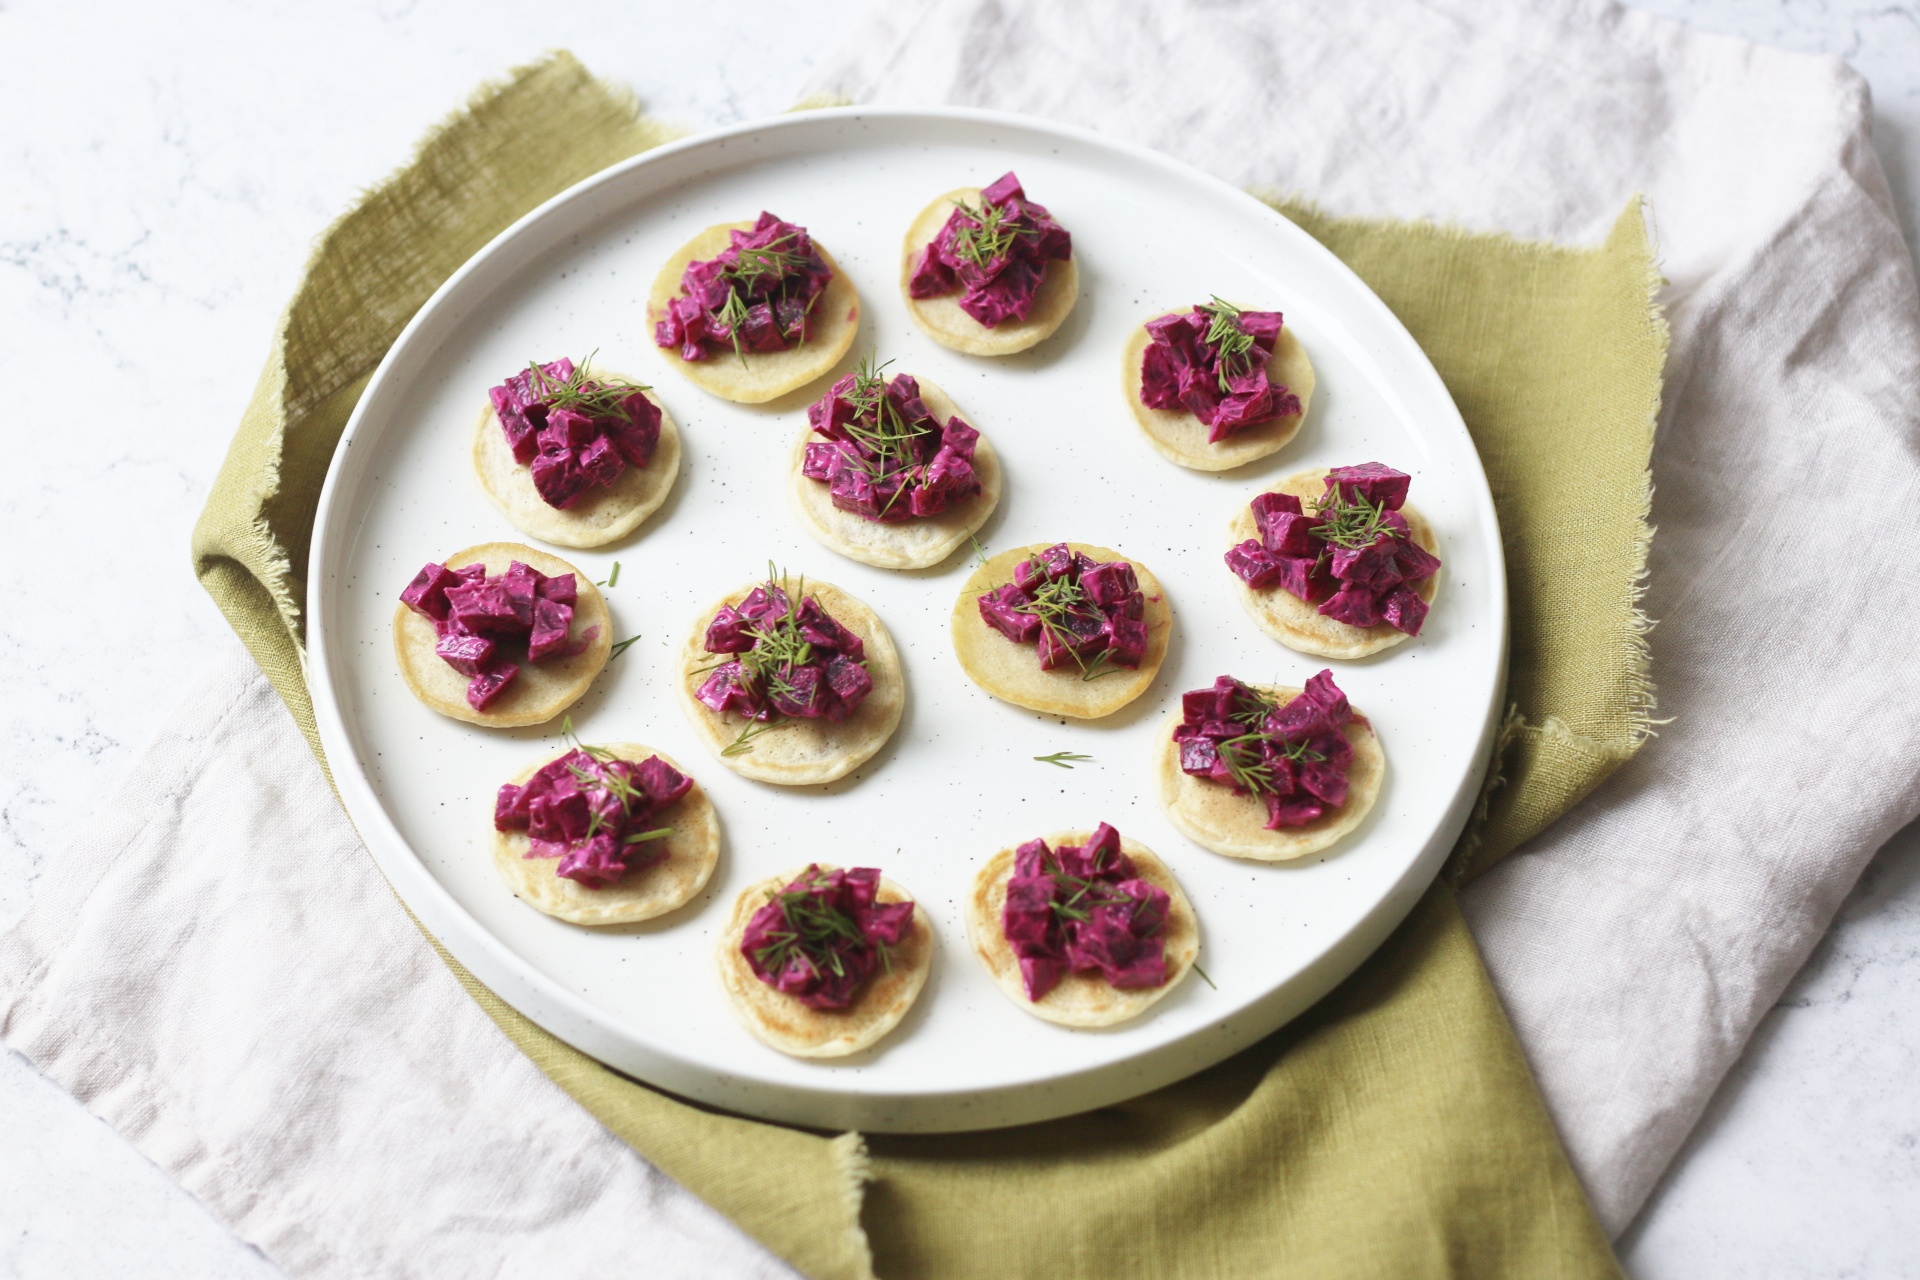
(1394,1130)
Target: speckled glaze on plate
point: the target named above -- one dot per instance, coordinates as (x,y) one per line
(959,779)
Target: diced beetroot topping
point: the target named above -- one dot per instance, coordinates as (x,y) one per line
(1254,564)
(561,589)
(426,595)
(1284,527)
(520,408)
(1353,604)
(466,654)
(1353,554)
(1371,482)
(574,432)
(792,663)
(995,254)
(882,455)
(821,937)
(757,295)
(487,625)
(1081,909)
(1404,610)
(1001,609)
(1071,608)
(1212,362)
(1294,757)
(486,686)
(600,816)
(549,634)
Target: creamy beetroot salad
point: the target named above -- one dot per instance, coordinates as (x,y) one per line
(1212,362)
(1293,758)
(575,432)
(1072,609)
(881,453)
(489,624)
(782,661)
(1353,554)
(758,294)
(599,815)
(820,938)
(1081,909)
(993,254)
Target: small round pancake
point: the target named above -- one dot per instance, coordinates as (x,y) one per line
(781,1021)
(799,752)
(1011,671)
(1299,625)
(1214,818)
(908,544)
(543,689)
(1081,999)
(765,375)
(1182,437)
(943,320)
(660,886)
(605,513)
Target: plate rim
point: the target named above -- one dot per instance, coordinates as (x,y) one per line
(578,1023)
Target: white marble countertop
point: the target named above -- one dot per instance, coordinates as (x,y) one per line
(158,202)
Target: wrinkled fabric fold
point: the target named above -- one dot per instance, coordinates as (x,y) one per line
(1637,942)
(289,1046)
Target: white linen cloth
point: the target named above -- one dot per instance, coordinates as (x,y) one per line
(291,1049)
(274,1032)
(1639,941)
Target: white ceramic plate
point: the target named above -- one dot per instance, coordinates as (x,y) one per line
(959,780)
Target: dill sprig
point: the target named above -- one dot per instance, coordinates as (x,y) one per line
(1064,759)
(878,425)
(778,649)
(621,646)
(597,397)
(814,927)
(1083,893)
(1243,755)
(1353,524)
(1247,764)
(1055,602)
(992,237)
(1251,707)
(610,783)
(744,743)
(1229,340)
(566,732)
(749,268)
(733,314)
(1298,751)
(979,552)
